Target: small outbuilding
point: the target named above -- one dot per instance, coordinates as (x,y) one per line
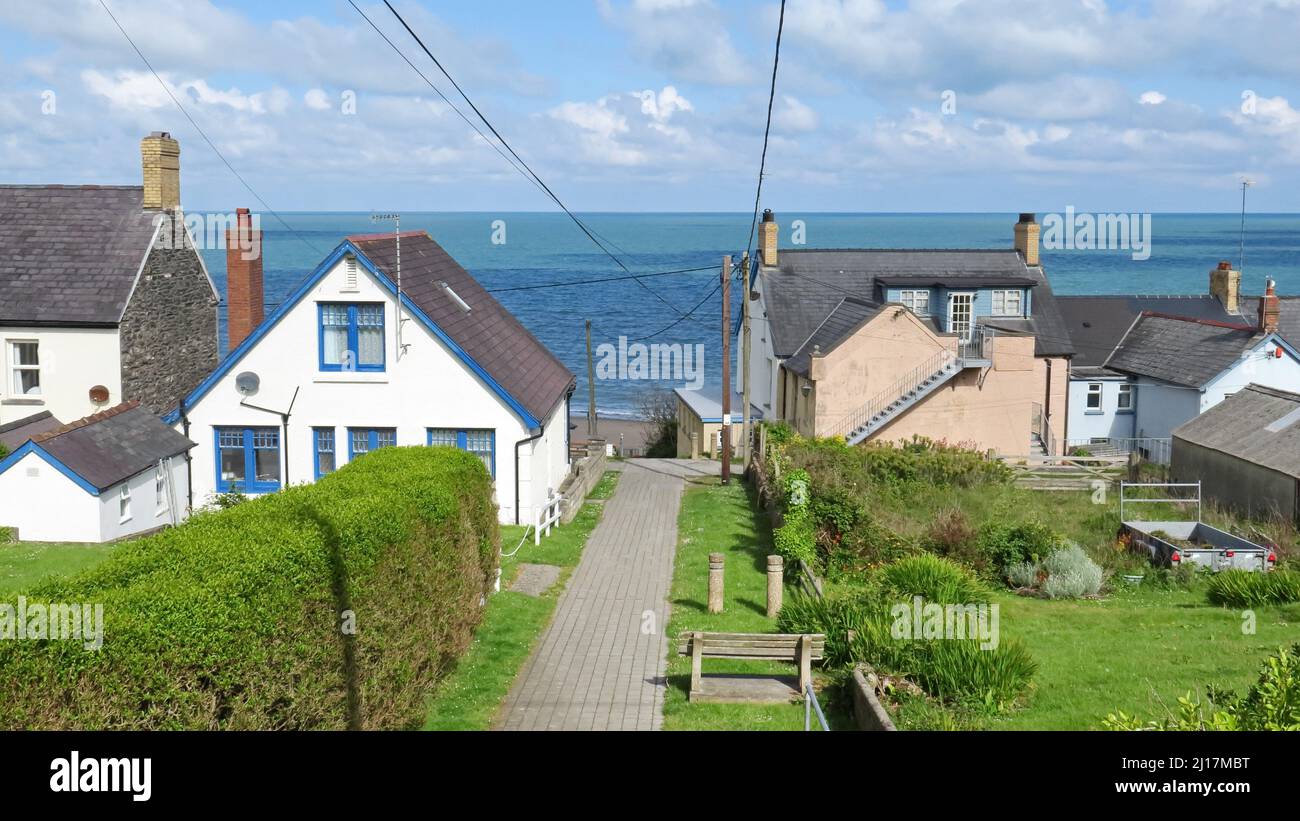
(118,473)
(1245,451)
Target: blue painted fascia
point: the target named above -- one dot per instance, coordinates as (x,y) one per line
(31,447)
(346,247)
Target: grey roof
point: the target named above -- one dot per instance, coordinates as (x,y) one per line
(807,284)
(1183,351)
(70,254)
(1288,318)
(113,445)
(707,403)
(1256,424)
(839,325)
(488,333)
(1096,324)
(14,434)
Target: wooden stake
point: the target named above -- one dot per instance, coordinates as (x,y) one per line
(591,388)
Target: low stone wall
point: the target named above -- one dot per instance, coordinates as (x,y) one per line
(869,713)
(582,480)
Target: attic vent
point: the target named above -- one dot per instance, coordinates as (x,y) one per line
(464,306)
(350,274)
(1285,422)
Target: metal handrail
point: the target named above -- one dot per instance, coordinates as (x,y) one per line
(1124,499)
(810,703)
(908,382)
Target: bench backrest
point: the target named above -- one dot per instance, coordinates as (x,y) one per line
(774,646)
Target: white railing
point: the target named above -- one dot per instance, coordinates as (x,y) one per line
(1042,427)
(1151,449)
(548,517)
(904,385)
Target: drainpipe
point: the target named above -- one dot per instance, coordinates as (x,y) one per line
(523,441)
(189,459)
(284,426)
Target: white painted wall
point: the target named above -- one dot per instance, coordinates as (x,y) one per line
(1163,407)
(73,360)
(763,363)
(145,512)
(1108,422)
(45,505)
(427,387)
(1259,367)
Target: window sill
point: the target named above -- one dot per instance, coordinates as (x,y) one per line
(1125,412)
(1094,413)
(124,521)
(23,401)
(351,378)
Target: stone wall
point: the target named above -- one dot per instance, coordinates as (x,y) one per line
(169,331)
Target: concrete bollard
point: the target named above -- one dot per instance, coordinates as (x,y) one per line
(715,582)
(775,584)
(695,445)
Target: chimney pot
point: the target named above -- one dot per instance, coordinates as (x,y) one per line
(160,163)
(244,295)
(1026,238)
(1270,309)
(1225,286)
(767,238)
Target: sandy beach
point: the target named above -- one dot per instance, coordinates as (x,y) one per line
(632,432)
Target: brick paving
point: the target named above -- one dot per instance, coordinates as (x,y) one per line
(595,668)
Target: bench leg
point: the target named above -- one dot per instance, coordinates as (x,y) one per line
(697,661)
(805,663)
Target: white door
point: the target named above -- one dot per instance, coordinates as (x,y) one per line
(959,315)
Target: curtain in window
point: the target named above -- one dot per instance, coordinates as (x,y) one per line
(479,443)
(334,333)
(370,334)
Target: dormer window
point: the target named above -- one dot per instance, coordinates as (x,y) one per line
(1007,303)
(351,337)
(918,302)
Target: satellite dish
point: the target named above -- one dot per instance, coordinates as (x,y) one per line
(247,383)
(99,394)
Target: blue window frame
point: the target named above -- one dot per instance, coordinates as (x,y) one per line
(480,442)
(323,446)
(248,460)
(351,336)
(364,440)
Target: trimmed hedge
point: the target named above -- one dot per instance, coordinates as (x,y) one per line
(235,620)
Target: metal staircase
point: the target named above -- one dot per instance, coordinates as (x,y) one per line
(912,388)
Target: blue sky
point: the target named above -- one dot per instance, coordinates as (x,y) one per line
(633,105)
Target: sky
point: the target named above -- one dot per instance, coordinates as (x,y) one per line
(659,105)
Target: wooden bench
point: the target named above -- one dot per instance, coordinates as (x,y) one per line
(800,649)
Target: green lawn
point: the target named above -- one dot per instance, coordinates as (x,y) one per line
(605,487)
(23,564)
(471,696)
(722,519)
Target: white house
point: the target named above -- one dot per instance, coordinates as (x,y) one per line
(103,297)
(118,473)
(1168,369)
(341,368)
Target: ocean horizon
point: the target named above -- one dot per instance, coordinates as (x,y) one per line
(519,250)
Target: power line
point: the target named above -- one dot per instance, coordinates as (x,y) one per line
(767,130)
(598,280)
(539,181)
(202,133)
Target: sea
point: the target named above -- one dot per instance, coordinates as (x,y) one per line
(519,251)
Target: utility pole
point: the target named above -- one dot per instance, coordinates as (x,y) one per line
(397,239)
(1241,258)
(591,388)
(726,370)
(747,429)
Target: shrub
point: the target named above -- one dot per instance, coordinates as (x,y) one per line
(1240,588)
(1071,574)
(1272,703)
(796,539)
(934,579)
(238,618)
(1023,574)
(837,617)
(1007,543)
(964,672)
(951,534)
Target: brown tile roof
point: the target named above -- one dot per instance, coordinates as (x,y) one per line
(112,445)
(489,334)
(16,433)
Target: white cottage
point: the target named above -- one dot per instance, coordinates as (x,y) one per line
(118,473)
(341,368)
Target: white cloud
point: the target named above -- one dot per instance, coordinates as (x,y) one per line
(1152,98)
(317,100)
(688,39)
(794,116)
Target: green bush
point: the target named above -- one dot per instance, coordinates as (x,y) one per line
(239,618)
(1240,588)
(831,462)
(962,671)
(1071,574)
(934,579)
(1008,543)
(1023,574)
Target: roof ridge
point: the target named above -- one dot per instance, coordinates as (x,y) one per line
(382,235)
(26,420)
(1217,323)
(1277,392)
(73,186)
(87,421)
(897,250)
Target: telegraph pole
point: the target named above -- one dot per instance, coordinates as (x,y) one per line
(591,388)
(726,370)
(747,429)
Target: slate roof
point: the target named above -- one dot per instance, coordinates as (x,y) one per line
(69,255)
(1183,351)
(808,284)
(846,318)
(1288,325)
(488,333)
(15,433)
(113,445)
(1096,324)
(707,404)
(1256,424)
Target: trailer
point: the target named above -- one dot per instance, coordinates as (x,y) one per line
(1182,542)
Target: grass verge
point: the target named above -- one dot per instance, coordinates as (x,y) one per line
(23,564)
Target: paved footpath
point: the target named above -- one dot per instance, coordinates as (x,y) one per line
(595,668)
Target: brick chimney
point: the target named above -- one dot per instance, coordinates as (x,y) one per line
(160,158)
(244,308)
(1270,309)
(1225,285)
(1027,238)
(767,236)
